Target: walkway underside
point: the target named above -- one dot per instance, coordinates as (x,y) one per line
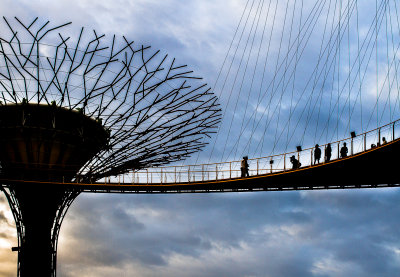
(377,167)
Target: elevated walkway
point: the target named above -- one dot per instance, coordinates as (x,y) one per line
(369,164)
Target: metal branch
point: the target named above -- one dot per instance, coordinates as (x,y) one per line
(155,110)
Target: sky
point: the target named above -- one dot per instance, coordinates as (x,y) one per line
(311,233)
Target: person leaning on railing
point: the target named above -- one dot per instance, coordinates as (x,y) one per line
(295,163)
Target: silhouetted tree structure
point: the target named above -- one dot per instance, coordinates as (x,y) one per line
(82,109)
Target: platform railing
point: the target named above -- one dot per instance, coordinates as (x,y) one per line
(258,166)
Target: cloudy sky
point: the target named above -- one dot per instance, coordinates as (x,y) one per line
(316,233)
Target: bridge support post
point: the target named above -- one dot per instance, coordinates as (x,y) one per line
(351,147)
(338,150)
(393,132)
(284,162)
(257,166)
(379,136)
(311,152)
(365,142)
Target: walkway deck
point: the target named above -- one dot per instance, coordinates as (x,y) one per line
(367,168)
(376,167)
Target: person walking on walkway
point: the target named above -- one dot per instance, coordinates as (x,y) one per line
(317,154)
(244,167)
(343,151)
(328,152)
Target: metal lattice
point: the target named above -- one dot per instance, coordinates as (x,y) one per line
(155,111)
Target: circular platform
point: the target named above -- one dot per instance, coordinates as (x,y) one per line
(47,142)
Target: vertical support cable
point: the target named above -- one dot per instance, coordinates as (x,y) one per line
(376,57)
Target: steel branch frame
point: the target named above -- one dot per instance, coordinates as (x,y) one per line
(155,110)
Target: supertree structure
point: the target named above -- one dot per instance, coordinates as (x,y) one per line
(79,109)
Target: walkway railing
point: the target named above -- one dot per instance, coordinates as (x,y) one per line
(259,166)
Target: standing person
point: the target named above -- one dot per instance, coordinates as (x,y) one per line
(317,154)
(244,167)
(384,141)
(343,151)
(328,152)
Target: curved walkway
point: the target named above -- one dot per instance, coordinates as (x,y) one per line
(370,163)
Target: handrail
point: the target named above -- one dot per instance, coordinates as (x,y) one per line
(230,170)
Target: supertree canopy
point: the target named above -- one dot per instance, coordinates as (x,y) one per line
(81,108)
(153,110)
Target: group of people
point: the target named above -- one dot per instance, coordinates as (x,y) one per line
(244,167)
(384,141)
(318,153)
(328,152)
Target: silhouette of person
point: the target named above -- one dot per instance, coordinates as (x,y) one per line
(384,140)
(295,163)
(317,154)
(343,151)
(328,152)
(244,167)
